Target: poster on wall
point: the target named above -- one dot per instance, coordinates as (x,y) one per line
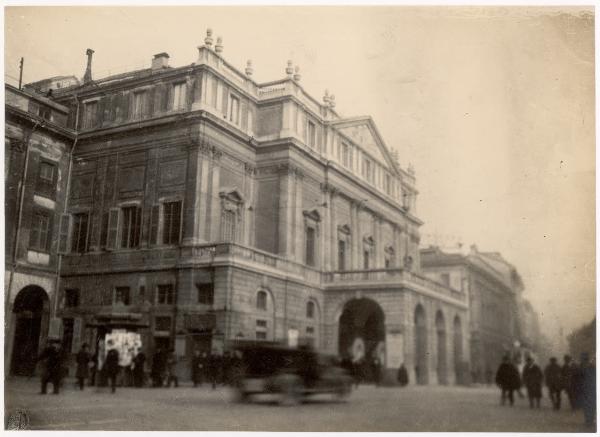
(395,349)
(293,335)
(126,343)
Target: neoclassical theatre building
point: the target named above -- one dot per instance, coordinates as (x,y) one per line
(202,208)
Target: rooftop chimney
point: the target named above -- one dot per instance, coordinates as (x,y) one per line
(160,60)
(208,40)
(87,77)
(219,45)
(249,69)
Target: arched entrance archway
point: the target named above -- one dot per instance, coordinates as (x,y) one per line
(362,332)
(421,368)
(458,350)
(31,310)
(440,327)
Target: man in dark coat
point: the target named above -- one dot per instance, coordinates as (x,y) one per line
(171,369)
(402,375)
(83,363)
(587,391)
(199,362)
(214,364)
(533,378)
(52,372)
(568,371)
(553,376)
(158,368)
(507,378)
(139,363)
(111,368)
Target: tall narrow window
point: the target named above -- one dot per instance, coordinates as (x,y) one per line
(310,246)
(90,115)
(206,293)
(71,298)
(387,184)
(341,255)
(165,294)
(79,232)
(228,228)
(234,109)
(261,300)
(311,135)
(310,310)
(171,222)
(366,259)
(46,181)
(345,155)
(39,236)
(130,232)
(139,100)
(179,94)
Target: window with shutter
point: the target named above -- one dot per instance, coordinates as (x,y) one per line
(130,230)
(79,233)
(154,216)
(171,222)
(104,230)
(113,228)
(39,236)
(63,241)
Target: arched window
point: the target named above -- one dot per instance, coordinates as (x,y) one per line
(261,300)
(310,310)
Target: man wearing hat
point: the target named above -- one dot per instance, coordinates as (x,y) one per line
(52,356)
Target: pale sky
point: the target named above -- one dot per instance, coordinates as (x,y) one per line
(494,107)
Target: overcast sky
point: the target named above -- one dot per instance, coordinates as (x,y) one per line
(494,107)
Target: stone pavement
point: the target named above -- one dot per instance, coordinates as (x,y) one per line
(429,408)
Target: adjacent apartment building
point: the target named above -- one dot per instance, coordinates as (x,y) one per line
(203,208)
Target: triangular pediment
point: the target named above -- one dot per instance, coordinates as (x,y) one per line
(363,132)
(232,194)
(312,214)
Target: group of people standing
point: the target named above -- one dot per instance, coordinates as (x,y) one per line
(578,381)
(214,368)
(362,369)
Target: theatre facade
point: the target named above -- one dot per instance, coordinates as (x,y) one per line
(203,208)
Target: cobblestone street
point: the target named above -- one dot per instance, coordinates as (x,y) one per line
(369,408)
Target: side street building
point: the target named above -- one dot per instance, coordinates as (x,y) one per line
(198,208)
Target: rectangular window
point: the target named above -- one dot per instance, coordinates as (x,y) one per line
(310,246)
(45,113)
(71,298)
(228,228)
(122,295)
(261,329)
(79,231)
(162,324)
(311,138)
(171,222)
(139,100)
(445,279)
(165,294)
(154,221)
(39,236)
(179,93)
(345,155)
(310,331)
(90,117)
(341,255)
(206,294)
(46,181)
(234,109)
(130,231)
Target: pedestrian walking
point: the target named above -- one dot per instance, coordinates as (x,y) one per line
(111,368)
(588,389)
(171,369)
(213,369)
(52,371)
(532,379)
(568,372)
(198,363)
(402,376)
(83,365)
(553,377)
(139,364)
(507,378)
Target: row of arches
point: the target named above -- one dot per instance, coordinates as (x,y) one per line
(421,346)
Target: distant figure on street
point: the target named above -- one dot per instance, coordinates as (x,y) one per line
(158,368)
(111,368)
(171,371)
(214,362)
(568,372)
(376,366)
(533,378)
(52,371)
(507,378)
(198,364)
(94,368)
(139,363)
(359,371)
(553,377)
(588,389)
(402,376)
(83,365)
